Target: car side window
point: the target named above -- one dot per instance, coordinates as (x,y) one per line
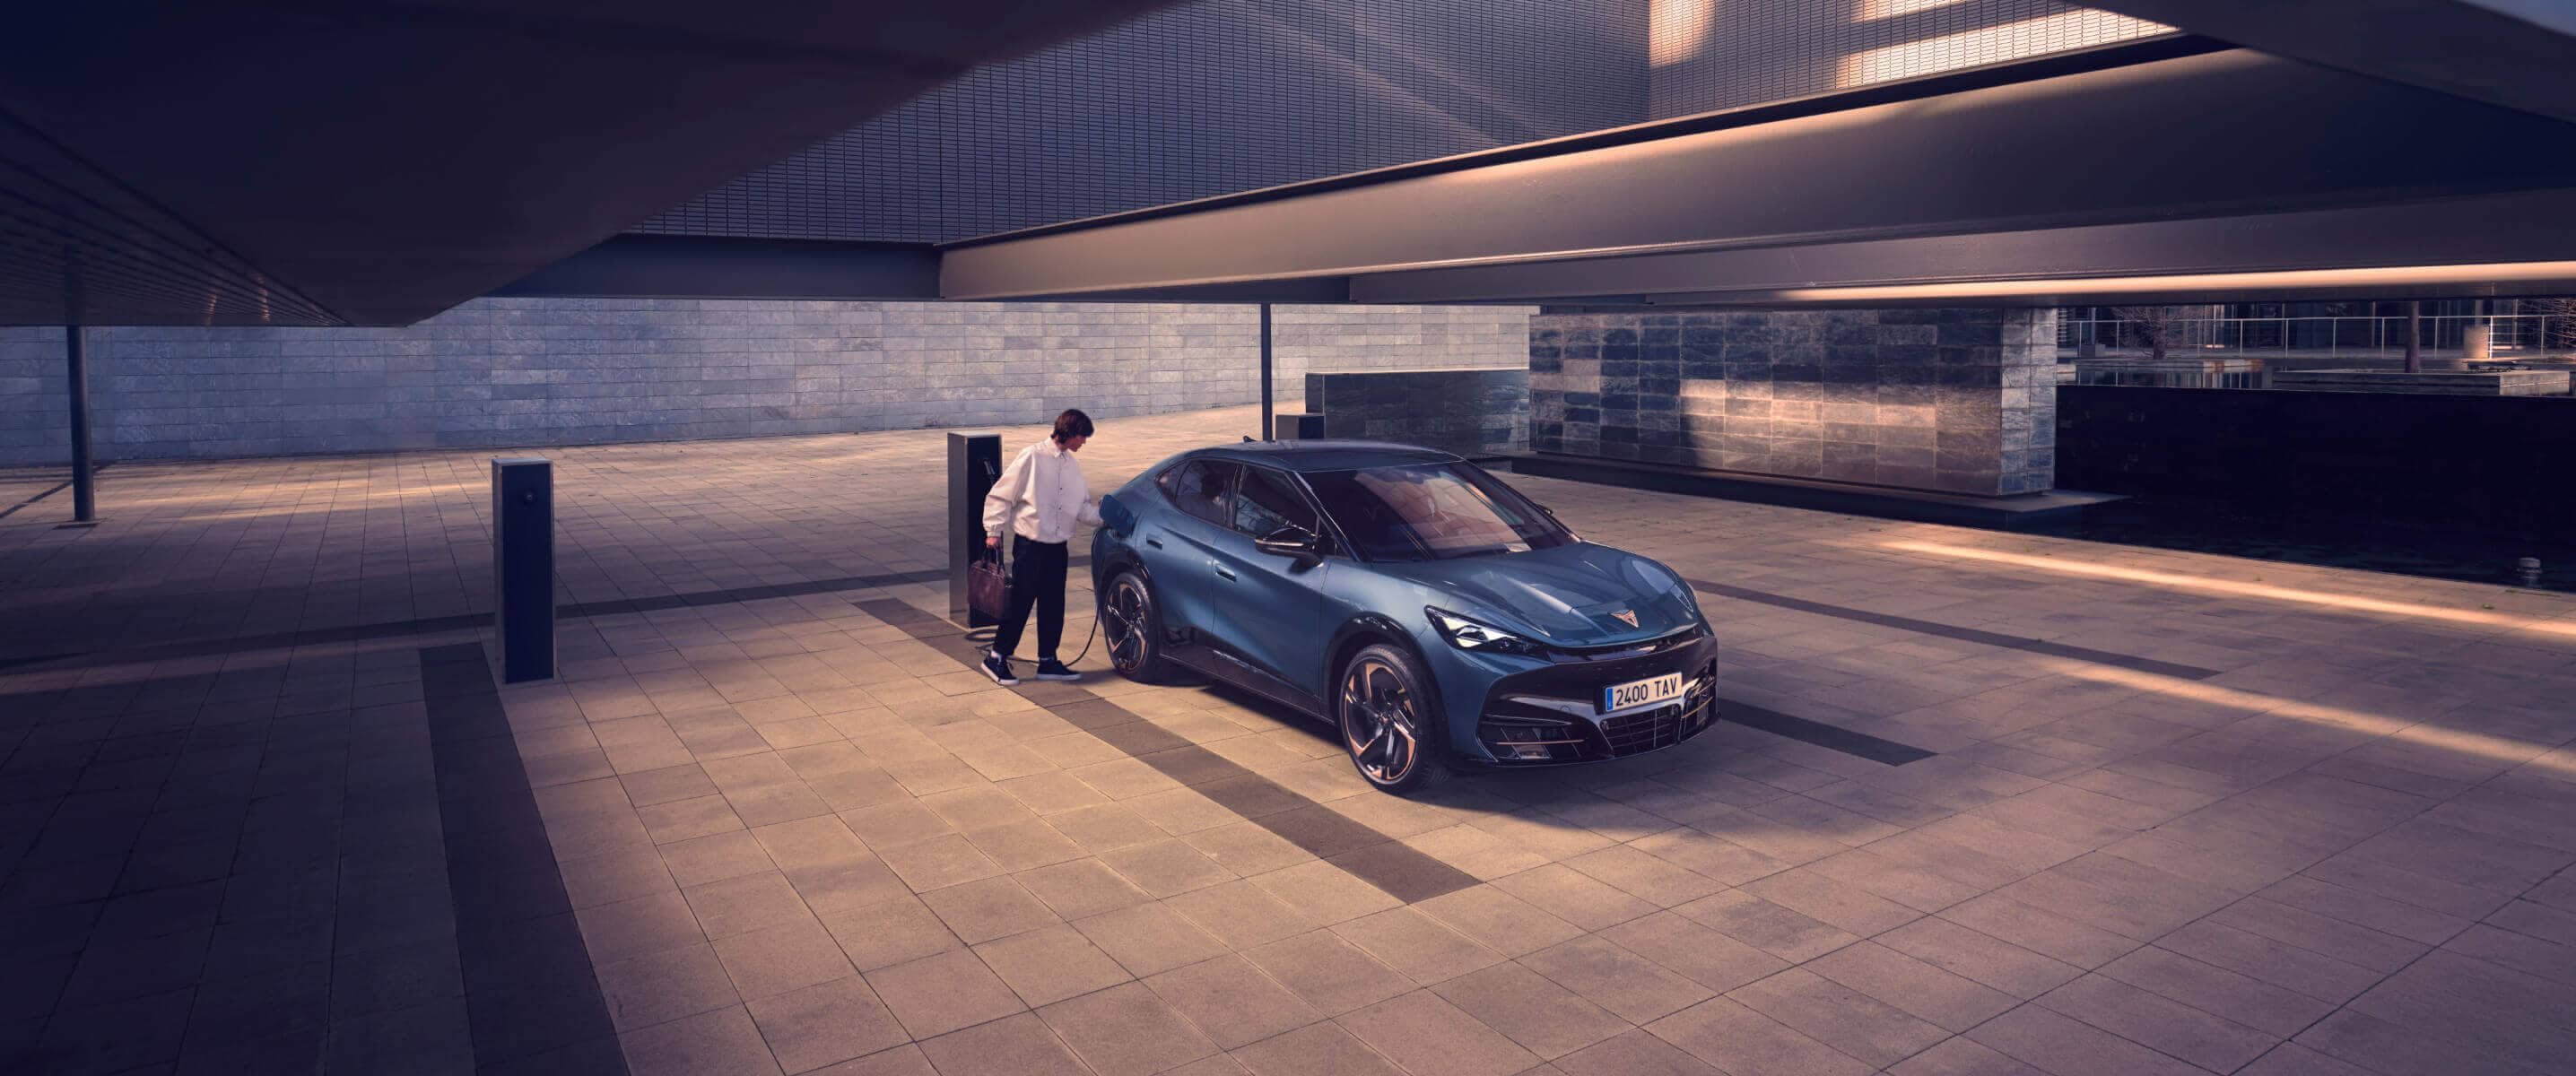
(1203,488)
(1270,500)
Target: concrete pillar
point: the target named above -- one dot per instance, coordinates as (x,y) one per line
(1961,401)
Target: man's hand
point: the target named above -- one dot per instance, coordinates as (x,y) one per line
(992,541)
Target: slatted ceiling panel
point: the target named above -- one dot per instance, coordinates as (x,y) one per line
(1203,99)
(62,221)
(1707,55)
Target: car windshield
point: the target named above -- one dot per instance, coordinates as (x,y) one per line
(1433,511)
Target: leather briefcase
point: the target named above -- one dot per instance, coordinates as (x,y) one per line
(988,587)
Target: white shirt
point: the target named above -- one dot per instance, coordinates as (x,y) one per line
(1041,494)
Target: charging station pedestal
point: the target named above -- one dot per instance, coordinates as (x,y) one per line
(523,567)
(974,464)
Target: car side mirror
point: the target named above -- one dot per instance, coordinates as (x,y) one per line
(1297,543)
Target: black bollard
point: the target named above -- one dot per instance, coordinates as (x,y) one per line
(974,462)
(523,567)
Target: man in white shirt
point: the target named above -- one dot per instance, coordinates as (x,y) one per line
(1039,498)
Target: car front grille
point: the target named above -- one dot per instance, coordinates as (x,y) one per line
(1660,727)
(1663,726)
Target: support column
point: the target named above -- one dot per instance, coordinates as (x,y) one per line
(2414,337)
(1267,423)
(76,389)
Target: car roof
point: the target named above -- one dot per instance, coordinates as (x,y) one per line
(1326,455)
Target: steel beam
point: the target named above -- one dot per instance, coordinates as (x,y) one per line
(2516,53)
(2492,245)
(691,267)
(2226,135)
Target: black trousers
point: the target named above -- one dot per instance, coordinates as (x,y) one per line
(1037,581)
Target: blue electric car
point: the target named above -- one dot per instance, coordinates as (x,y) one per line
(1432,614)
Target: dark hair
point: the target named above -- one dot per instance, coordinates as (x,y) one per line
(1071,424)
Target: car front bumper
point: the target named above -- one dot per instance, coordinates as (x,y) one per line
(1551,715)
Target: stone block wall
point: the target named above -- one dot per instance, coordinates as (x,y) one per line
(1472,412)
(1960,401)
(513,372)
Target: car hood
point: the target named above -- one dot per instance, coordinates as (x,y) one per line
(1566,595)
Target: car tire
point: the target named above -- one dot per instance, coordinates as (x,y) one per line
(1132,623)
(1388,714)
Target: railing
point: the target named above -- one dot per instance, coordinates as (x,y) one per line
(2510,336)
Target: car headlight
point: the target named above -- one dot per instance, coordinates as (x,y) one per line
(1467,634)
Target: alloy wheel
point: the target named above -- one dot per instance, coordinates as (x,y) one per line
(1125,619)
(1380,723)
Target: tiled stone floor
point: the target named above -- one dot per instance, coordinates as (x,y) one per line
(263,810)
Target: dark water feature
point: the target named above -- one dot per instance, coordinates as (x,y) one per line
(2202,526)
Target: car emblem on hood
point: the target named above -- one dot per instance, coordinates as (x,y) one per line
(1626,616)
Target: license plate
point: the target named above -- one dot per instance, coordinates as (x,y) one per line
(1636,693)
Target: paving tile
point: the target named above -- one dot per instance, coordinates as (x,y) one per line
(1499,920)
(890,932)
(428,1038)
(628,928)
(1839,1016)
(1126,1031)
(1427,1036)
(680,820)
(720,1043)
(1246,848)
(1329,973)
(1774,929)
(2518,1016)
(2039,931)
(1574,897)
(905,1060)
(775,960)
(1232,1001)
(896,822)
(1633,1053)
(747,903)
(1601,972)
(981,911)
(1024,844)
(1656,881)
(1242,914)
(1916,987)
(1082,887)
(1322,1049)
(657,987)
(616,876)
(395,977)
(1015,1044)
(2292,1059)
(2238,998)
(824,1024)
(1737,1039)
(1051,964)
(2051,1042)
(938,994)
(938,862)
(715,857)
(1417,945)
(1961,1057)
(1541,1016)
(1716,962)
(2397,1049)
(1150,938)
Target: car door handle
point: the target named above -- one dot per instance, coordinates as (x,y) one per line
(1154,542)
(1222,572)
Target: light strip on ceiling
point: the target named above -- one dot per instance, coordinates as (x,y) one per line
(2385,276)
